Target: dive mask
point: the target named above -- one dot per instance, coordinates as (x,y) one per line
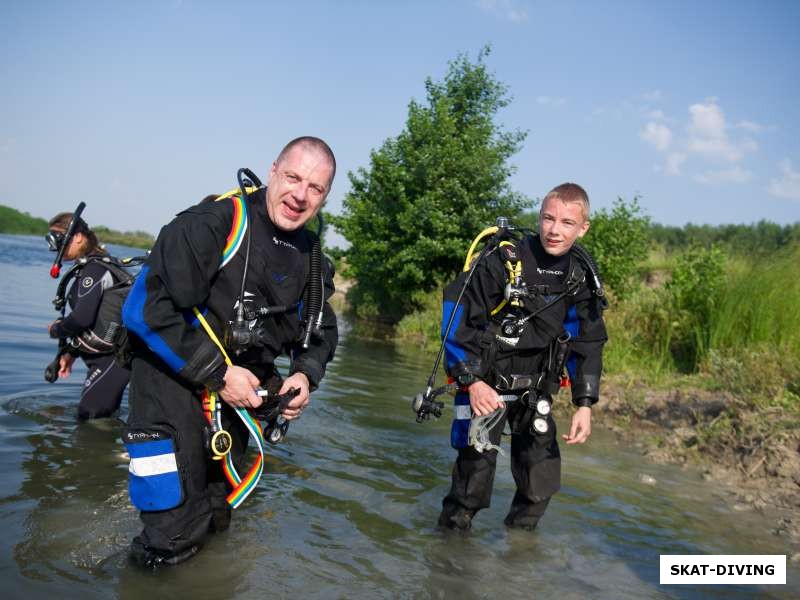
(55,239)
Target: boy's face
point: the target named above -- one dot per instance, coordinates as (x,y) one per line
(560,224)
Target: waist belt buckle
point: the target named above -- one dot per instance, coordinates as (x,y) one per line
(520,382)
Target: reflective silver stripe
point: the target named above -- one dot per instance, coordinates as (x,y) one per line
(153,465)
(463,411)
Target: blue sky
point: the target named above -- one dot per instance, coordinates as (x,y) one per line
(142,108)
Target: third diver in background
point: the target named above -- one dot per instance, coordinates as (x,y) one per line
(85,332)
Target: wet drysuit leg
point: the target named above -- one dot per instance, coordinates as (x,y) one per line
(536,467)
(161,403)
(102,390)
(535,464)
(472,481)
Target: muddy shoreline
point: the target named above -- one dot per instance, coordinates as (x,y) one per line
(673,426)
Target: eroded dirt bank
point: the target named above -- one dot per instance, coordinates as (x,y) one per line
(754,454)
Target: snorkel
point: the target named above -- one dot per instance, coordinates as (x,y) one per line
(55,270)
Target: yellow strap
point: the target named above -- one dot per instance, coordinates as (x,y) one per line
(499,307)
(514,271)
(235,192)
(488,231)
(242,486)
(211,334)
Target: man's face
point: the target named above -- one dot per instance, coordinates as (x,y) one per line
(298,186)
(560,224)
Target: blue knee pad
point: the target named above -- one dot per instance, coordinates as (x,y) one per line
(462,415)
(154,482)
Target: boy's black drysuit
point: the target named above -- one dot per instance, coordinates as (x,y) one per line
(477,347)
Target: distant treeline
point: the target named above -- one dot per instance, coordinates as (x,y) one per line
(21,223)
(755,238)
(14,221)
(134,239)
(763,236)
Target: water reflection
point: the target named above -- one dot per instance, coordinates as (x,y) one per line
(347,505)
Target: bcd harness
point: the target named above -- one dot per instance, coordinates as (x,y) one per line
(107,331)
(240,335)
(99,339)
(521,302)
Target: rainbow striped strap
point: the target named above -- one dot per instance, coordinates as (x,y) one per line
(242,486)
(238,229)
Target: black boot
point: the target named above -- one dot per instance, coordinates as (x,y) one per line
(220,519)
(456,517)
(151,558)
(525,514)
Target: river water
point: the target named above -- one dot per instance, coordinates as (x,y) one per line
(347,504)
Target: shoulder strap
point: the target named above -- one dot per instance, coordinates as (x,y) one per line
(238,226)
(513,265)
(113,265)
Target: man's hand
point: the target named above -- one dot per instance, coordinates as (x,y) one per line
(240,388)
(295,408)
(483,399)
(65,364)
(581,426)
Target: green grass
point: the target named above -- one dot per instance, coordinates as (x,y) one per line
(753,333)
(760,304)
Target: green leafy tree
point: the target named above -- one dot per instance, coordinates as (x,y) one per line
(411,216)
(618,241)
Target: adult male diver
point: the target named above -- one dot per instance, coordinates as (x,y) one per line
(527,306)
(242,266)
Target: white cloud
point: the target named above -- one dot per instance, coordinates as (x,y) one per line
(788,184)
(735,174)
(551,101)
(708,120)
(657,134)
(511,10)
(750,126)
(708,140)
(708,134)
(722,149)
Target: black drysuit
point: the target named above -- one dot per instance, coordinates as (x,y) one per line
(477,346)
(195,263)
(105,380)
